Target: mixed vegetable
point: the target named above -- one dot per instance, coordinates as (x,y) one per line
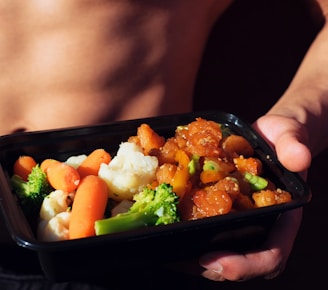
(151,207)
(203,170)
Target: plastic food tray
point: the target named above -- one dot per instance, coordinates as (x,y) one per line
(61,260)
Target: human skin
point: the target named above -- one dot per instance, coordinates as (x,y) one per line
(69,63)
(85,62)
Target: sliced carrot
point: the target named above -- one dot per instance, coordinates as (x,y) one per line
(23,166)
(91,165)
(63,176)
(89,205)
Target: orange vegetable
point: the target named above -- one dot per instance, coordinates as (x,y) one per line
(23,166)
(89,205)
(180,181)
(215,169)
(91,165)
(209,176)
(46,163)
(63,176)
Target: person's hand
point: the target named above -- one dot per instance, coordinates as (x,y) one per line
(289,139)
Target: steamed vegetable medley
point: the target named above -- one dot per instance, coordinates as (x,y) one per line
(203,170)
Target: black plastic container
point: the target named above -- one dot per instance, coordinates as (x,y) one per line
(98,256)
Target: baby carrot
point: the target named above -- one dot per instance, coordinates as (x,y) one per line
(63,176)
(91,165)
(45,164)
(23,166)
(89,205)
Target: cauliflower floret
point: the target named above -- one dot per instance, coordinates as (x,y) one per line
(75,161)
(128,172)
(57,201)
(56,229)
(54,216)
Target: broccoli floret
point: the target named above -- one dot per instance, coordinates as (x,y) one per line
(151,207)
(31,192)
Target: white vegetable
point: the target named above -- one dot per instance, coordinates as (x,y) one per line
(56,202)
(54,216)
(56,229)
(75,161)
(128,172)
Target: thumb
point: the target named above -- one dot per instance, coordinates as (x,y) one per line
(289,139)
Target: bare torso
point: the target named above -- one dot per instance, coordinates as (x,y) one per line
(66,63)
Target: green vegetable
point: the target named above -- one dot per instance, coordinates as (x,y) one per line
(211,165)
(193,164)
(257,182)
(151,207)
(31,192)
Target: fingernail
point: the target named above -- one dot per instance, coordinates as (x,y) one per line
(209,261)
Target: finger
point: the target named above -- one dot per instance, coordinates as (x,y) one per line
(288,146)
(268,262)
(289,139)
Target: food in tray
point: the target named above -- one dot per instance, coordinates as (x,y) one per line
(203,170)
